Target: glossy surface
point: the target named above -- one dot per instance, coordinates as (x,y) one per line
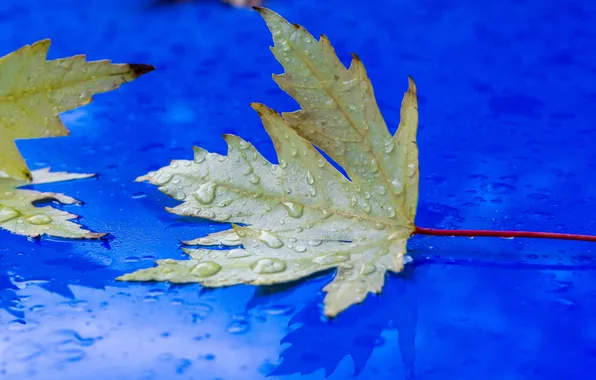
(506,141)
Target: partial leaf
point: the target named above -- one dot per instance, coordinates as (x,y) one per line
(20,215)
(33,91)
(303,216)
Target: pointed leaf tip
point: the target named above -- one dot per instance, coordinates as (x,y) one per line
(411,84)
(139,69)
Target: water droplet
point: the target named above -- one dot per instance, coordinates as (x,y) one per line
(309,178)
(379,226)
(293,209)
(254,179)
(374,166)
(313,191)
(292,240)
(367,194)
(7,213)
(207,214)
(332,259)
(300,248)
(39,219)
(390,211)
(138,195)
(179,195)
(366,207)
(205,194)
(243,144)
(352,107)
(368,269)
(321,163)
(162,177)
(398,186)
(353,201)
(205,269)
(238,326)
(225,216)
(314,243)
(389,146)
(270,239)
(279,309)
(237,253)
(326,214)
(381,189)
(283,164)
(411,170)
(268,266)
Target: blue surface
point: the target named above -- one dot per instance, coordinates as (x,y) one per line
(507,94)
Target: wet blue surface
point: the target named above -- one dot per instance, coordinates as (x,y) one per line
(508,126)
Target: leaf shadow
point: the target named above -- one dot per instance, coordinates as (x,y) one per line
(315,342)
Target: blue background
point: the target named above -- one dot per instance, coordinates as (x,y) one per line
(507,109)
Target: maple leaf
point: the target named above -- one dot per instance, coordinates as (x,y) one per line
(33,91)
(20,215)
(303,216)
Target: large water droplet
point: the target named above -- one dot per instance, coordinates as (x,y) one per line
(205,269)
(300,248)
(271,240)
(389,146)
(237,253)
(205,194)
(7,213)
(367,269)
(39,219)
(293,209)
(314,243)
(309,178)
(268,266)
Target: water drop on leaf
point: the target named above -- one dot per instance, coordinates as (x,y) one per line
(293,209)
(205,194)
(270,239)
(205,269)
(39,219)
(268,266)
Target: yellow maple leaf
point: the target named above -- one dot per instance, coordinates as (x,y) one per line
(303,216)
(34,90)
